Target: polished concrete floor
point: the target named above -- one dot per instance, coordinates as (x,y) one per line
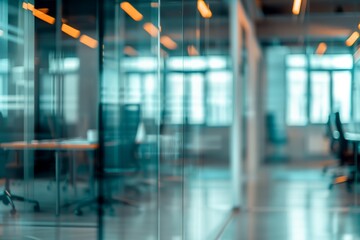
(195,207)
(293,202)
(289,202)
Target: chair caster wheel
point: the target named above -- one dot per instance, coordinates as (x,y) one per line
(12,211)
(36,208)
(78,212)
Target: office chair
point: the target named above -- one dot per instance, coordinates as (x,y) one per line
(340,148)
(277,139)
(333,137)
(13,169)
(121,159)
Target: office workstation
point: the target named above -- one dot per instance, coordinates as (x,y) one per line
(200,119)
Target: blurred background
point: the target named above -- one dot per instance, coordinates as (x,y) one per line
(192,119)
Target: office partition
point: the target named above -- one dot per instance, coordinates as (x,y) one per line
(117,115)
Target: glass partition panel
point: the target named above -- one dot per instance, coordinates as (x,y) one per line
(129,120)
(115,118)
(49,97)
(18,196)
(208,117)
(355,120)
(173,122)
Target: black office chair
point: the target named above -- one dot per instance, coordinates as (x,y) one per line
(11,169)
(340,148)
(333,137)
(15,170)
(121,156)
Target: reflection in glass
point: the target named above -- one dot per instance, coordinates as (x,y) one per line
(342,94)
(296,97)
(219,98)
(328,61)
(320,97)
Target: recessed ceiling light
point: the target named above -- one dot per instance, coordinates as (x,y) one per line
(296,7)
(321,49)
(352,39)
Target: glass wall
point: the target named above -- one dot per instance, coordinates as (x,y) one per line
(116,119)
(162,67)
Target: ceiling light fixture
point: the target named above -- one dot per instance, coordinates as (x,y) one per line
(25,5)
(29,7)
(352,39)
(131,11)
(43,16)
(73,32)
(151,29)
(168,42)
(296,7)
(321,49)
(204,9)
(88,41)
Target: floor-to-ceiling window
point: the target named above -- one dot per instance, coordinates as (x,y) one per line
(317,88)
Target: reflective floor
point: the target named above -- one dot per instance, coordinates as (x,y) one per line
(196,211)
(293,202)
(289,202)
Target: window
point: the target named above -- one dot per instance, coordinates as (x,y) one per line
(312,93)
(320,96)
(69,86)
(196,90)
(340,61)
(201,95)
(341,94)
(296,97)
(174,98)
(219,98)
(196,111)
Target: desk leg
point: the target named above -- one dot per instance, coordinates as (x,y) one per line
(92,155)
(57,179)
(74,173)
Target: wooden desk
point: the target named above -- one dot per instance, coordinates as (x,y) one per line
(57,146)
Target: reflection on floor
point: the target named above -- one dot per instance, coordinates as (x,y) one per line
(294,203)
(289,202)
(195,208)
